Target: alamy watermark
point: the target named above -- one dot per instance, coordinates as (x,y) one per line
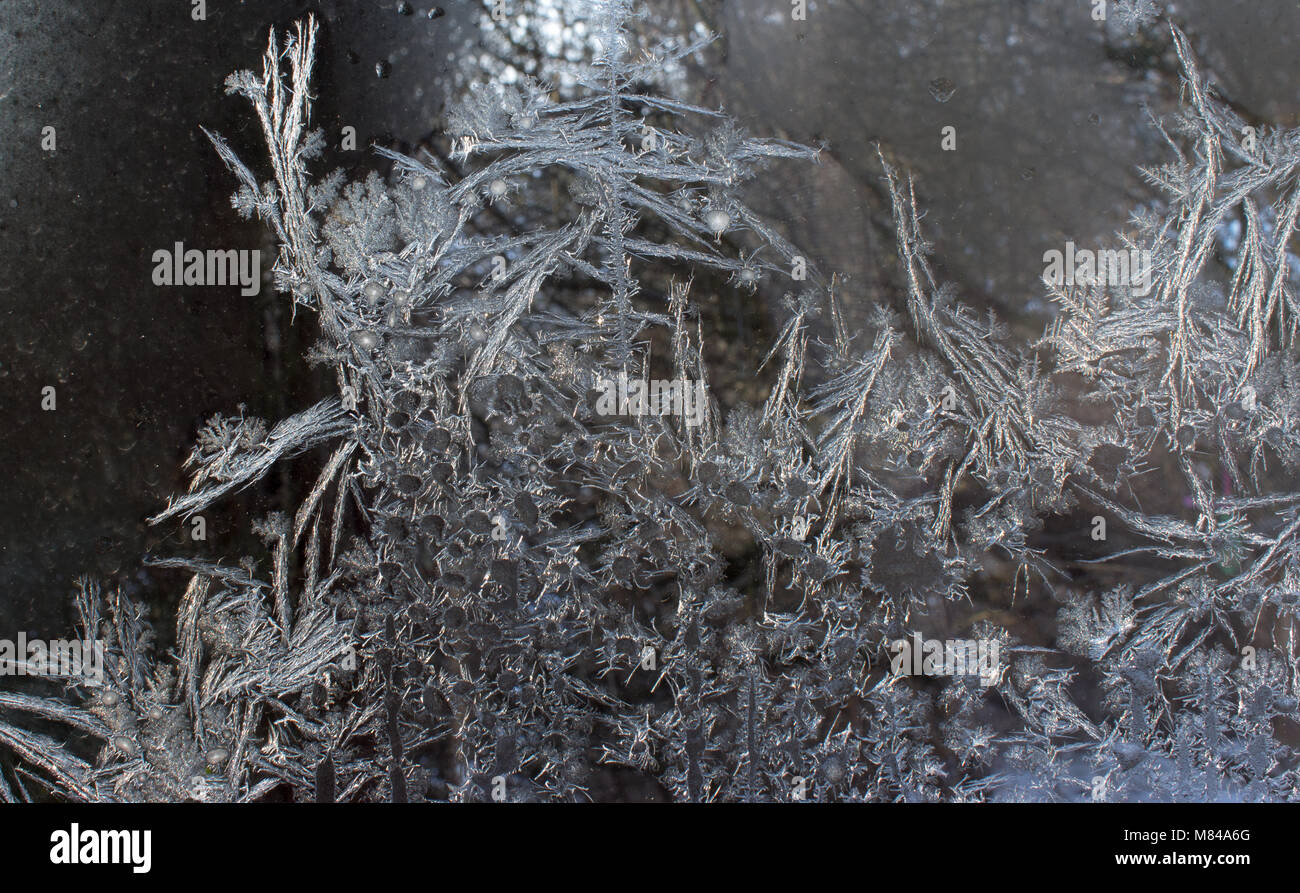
(1107,266)
(679,397)
(78,846)
(176,266)
(54,657)
(917,656)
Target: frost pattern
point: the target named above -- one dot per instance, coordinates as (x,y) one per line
(493,590)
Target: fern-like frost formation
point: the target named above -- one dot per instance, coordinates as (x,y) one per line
(499,589)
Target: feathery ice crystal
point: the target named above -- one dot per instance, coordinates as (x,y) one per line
(496,591)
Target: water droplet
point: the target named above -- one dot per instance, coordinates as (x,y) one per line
(407,401)
(404,8)
(437,440)
(942,89)
(382,69)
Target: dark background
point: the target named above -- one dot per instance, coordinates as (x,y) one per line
(1049,108)
(137,367)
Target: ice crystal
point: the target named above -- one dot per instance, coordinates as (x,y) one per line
(497,590)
